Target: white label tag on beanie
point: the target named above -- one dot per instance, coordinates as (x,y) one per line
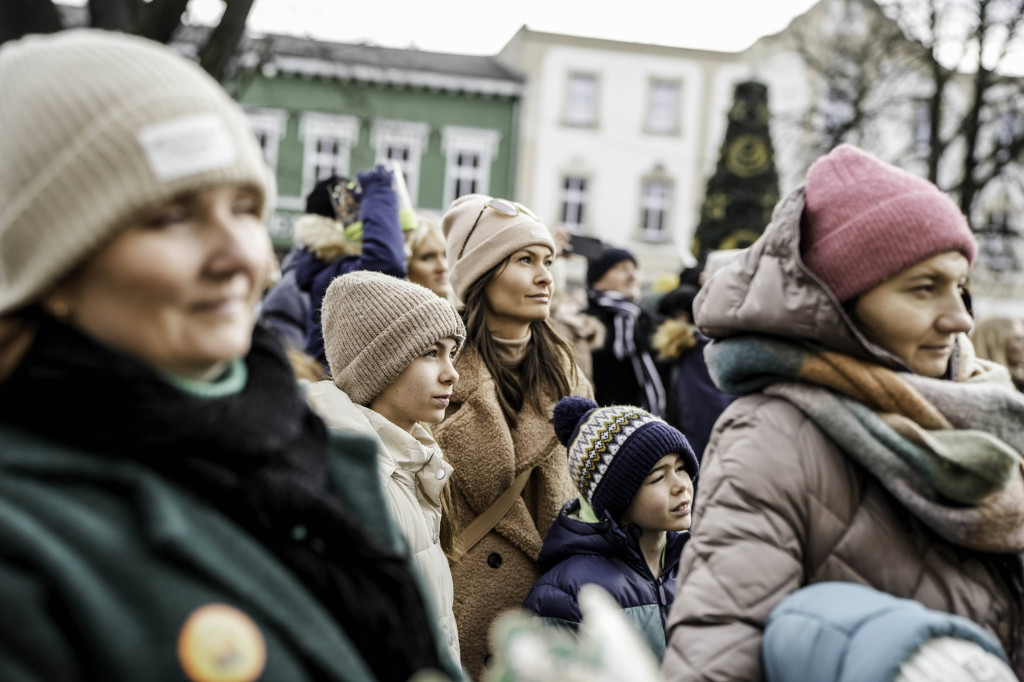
(188,145)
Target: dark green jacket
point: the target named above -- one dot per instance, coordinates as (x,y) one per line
(103,561)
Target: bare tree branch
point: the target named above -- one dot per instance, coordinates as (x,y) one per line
(20,17)
(160,19)
(223,42)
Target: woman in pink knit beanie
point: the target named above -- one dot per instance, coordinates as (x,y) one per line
(867,443)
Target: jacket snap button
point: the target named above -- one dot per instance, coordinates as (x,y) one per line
(439,474)
(494,560)
(434,538)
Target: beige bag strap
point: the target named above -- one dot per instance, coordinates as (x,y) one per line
(485,522)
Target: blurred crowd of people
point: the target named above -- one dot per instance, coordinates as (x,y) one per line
(402,454)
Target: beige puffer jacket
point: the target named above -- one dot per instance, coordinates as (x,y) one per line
(413,473)
(498,573)
(779,504)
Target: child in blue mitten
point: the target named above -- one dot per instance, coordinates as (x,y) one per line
(627,528)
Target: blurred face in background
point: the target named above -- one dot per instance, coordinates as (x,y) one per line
(917,314)
(622,278)
(1015,345)
(428,265)
(178,286)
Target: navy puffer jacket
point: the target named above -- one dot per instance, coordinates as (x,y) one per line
(576,553)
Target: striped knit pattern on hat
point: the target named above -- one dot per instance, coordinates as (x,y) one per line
(376,324)
(613,449)
(94,126)
(473,251)
(866,220)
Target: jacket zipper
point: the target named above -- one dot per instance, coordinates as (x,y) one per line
(662,599)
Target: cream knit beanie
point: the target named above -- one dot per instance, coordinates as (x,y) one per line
(376,324)
(473,251)
(94,126)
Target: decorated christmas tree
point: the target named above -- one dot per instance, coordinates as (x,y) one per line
(743,191)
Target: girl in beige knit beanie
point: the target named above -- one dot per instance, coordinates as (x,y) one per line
(498,431)
(391,345)
(172,508)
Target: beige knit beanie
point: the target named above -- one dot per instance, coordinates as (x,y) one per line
(94,126)
(376,324)
(478,238)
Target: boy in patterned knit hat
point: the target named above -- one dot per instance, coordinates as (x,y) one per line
(627,528)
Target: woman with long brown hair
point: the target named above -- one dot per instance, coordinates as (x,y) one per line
(510,477)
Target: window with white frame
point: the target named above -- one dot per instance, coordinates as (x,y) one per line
(655,202)
(581,100)
(574,202)
(663,107)
(469,153)
(401,142)
(327,142)
(268,125)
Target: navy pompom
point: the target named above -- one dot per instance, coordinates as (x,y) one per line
(568,413)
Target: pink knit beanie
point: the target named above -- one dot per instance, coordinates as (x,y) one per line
(866,220)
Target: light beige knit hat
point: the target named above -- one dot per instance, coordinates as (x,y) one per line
(477,238)
(94,126)
(376,324)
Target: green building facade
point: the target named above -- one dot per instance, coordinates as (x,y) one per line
(449,121)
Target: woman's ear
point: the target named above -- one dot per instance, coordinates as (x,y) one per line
(59,303)
(16,336)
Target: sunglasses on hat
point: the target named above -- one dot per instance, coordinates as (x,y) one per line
(509,209)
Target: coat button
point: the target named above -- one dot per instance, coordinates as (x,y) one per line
(494,560)
(299,533)
(434,538)
(440,474)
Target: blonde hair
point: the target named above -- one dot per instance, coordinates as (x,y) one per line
(425,227)
(991,335)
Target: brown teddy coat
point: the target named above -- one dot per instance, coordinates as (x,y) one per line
(498,573)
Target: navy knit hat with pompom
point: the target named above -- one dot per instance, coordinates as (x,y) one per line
(613,449)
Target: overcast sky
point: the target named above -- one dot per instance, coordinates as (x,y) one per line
(483,27)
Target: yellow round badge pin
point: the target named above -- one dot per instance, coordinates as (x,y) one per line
(219,643)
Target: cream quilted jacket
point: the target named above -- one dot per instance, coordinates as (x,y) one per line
(413,473)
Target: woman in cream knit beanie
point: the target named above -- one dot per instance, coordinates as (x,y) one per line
(127,125)
(165,485)
(498,426)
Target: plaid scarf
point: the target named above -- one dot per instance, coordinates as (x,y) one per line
(949,451)
(624,347)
